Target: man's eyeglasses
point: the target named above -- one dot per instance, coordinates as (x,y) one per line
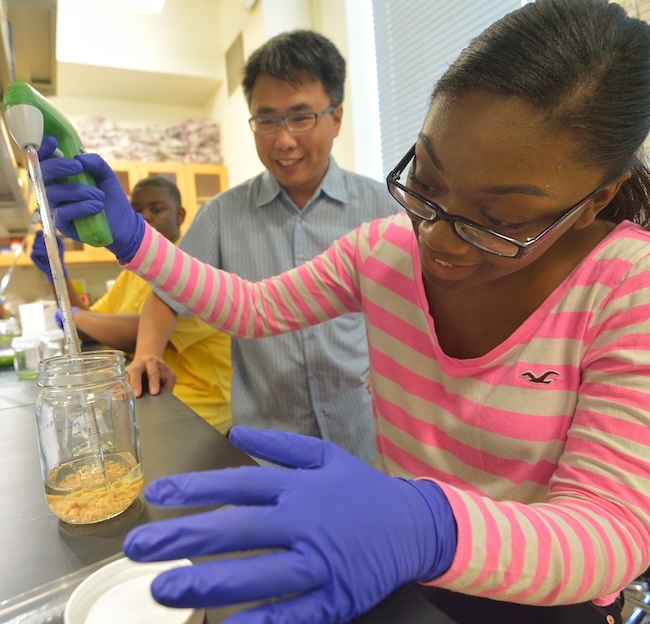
(475,234)
(296,122)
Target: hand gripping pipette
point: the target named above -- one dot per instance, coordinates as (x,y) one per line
(29,118)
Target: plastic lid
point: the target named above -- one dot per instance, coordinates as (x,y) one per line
(121,592)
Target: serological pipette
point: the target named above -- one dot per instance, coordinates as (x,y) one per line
(29,118)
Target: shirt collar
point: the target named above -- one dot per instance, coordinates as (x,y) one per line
(332,185)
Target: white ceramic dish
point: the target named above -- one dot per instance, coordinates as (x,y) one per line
(120,592)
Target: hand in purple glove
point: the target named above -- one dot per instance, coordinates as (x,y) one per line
(69,201)
(58,318)
(347,534)
(40,259)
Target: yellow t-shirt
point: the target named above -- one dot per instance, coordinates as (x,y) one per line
(198,354)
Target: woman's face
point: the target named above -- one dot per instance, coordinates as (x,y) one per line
(488,158)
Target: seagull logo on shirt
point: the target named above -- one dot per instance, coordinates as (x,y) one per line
(545,378)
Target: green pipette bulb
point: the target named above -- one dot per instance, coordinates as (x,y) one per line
(23,108)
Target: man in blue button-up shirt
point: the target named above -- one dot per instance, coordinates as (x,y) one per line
(310,381)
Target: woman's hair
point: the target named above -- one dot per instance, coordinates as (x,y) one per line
(586,65)
(287,53)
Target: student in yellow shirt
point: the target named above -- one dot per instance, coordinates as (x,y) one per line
(198,355)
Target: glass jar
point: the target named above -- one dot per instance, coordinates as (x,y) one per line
(88,436)
(25,350)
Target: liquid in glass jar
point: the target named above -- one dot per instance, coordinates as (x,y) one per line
(88,437)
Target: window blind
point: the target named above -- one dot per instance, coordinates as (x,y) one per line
(415,41)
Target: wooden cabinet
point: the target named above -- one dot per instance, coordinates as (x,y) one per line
(196,182)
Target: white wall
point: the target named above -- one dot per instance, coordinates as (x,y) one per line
(363,98)
(125,112)
(231,112)
(269,18)
(330,22)
(195,42)
(179,41)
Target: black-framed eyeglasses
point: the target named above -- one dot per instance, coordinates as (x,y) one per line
(475,234)
(296,122)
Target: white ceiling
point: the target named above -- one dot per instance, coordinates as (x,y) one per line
(98,49)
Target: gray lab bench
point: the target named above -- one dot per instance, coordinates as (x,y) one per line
(42,560)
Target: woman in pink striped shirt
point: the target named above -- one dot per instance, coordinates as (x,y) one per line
(508,317)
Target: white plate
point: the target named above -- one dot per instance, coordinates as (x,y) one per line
(120,592)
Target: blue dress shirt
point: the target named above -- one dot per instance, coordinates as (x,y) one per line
(310,381)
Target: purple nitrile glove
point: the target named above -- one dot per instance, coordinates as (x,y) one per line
(347,534)
(40,259)
(58,318)
(69,201)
